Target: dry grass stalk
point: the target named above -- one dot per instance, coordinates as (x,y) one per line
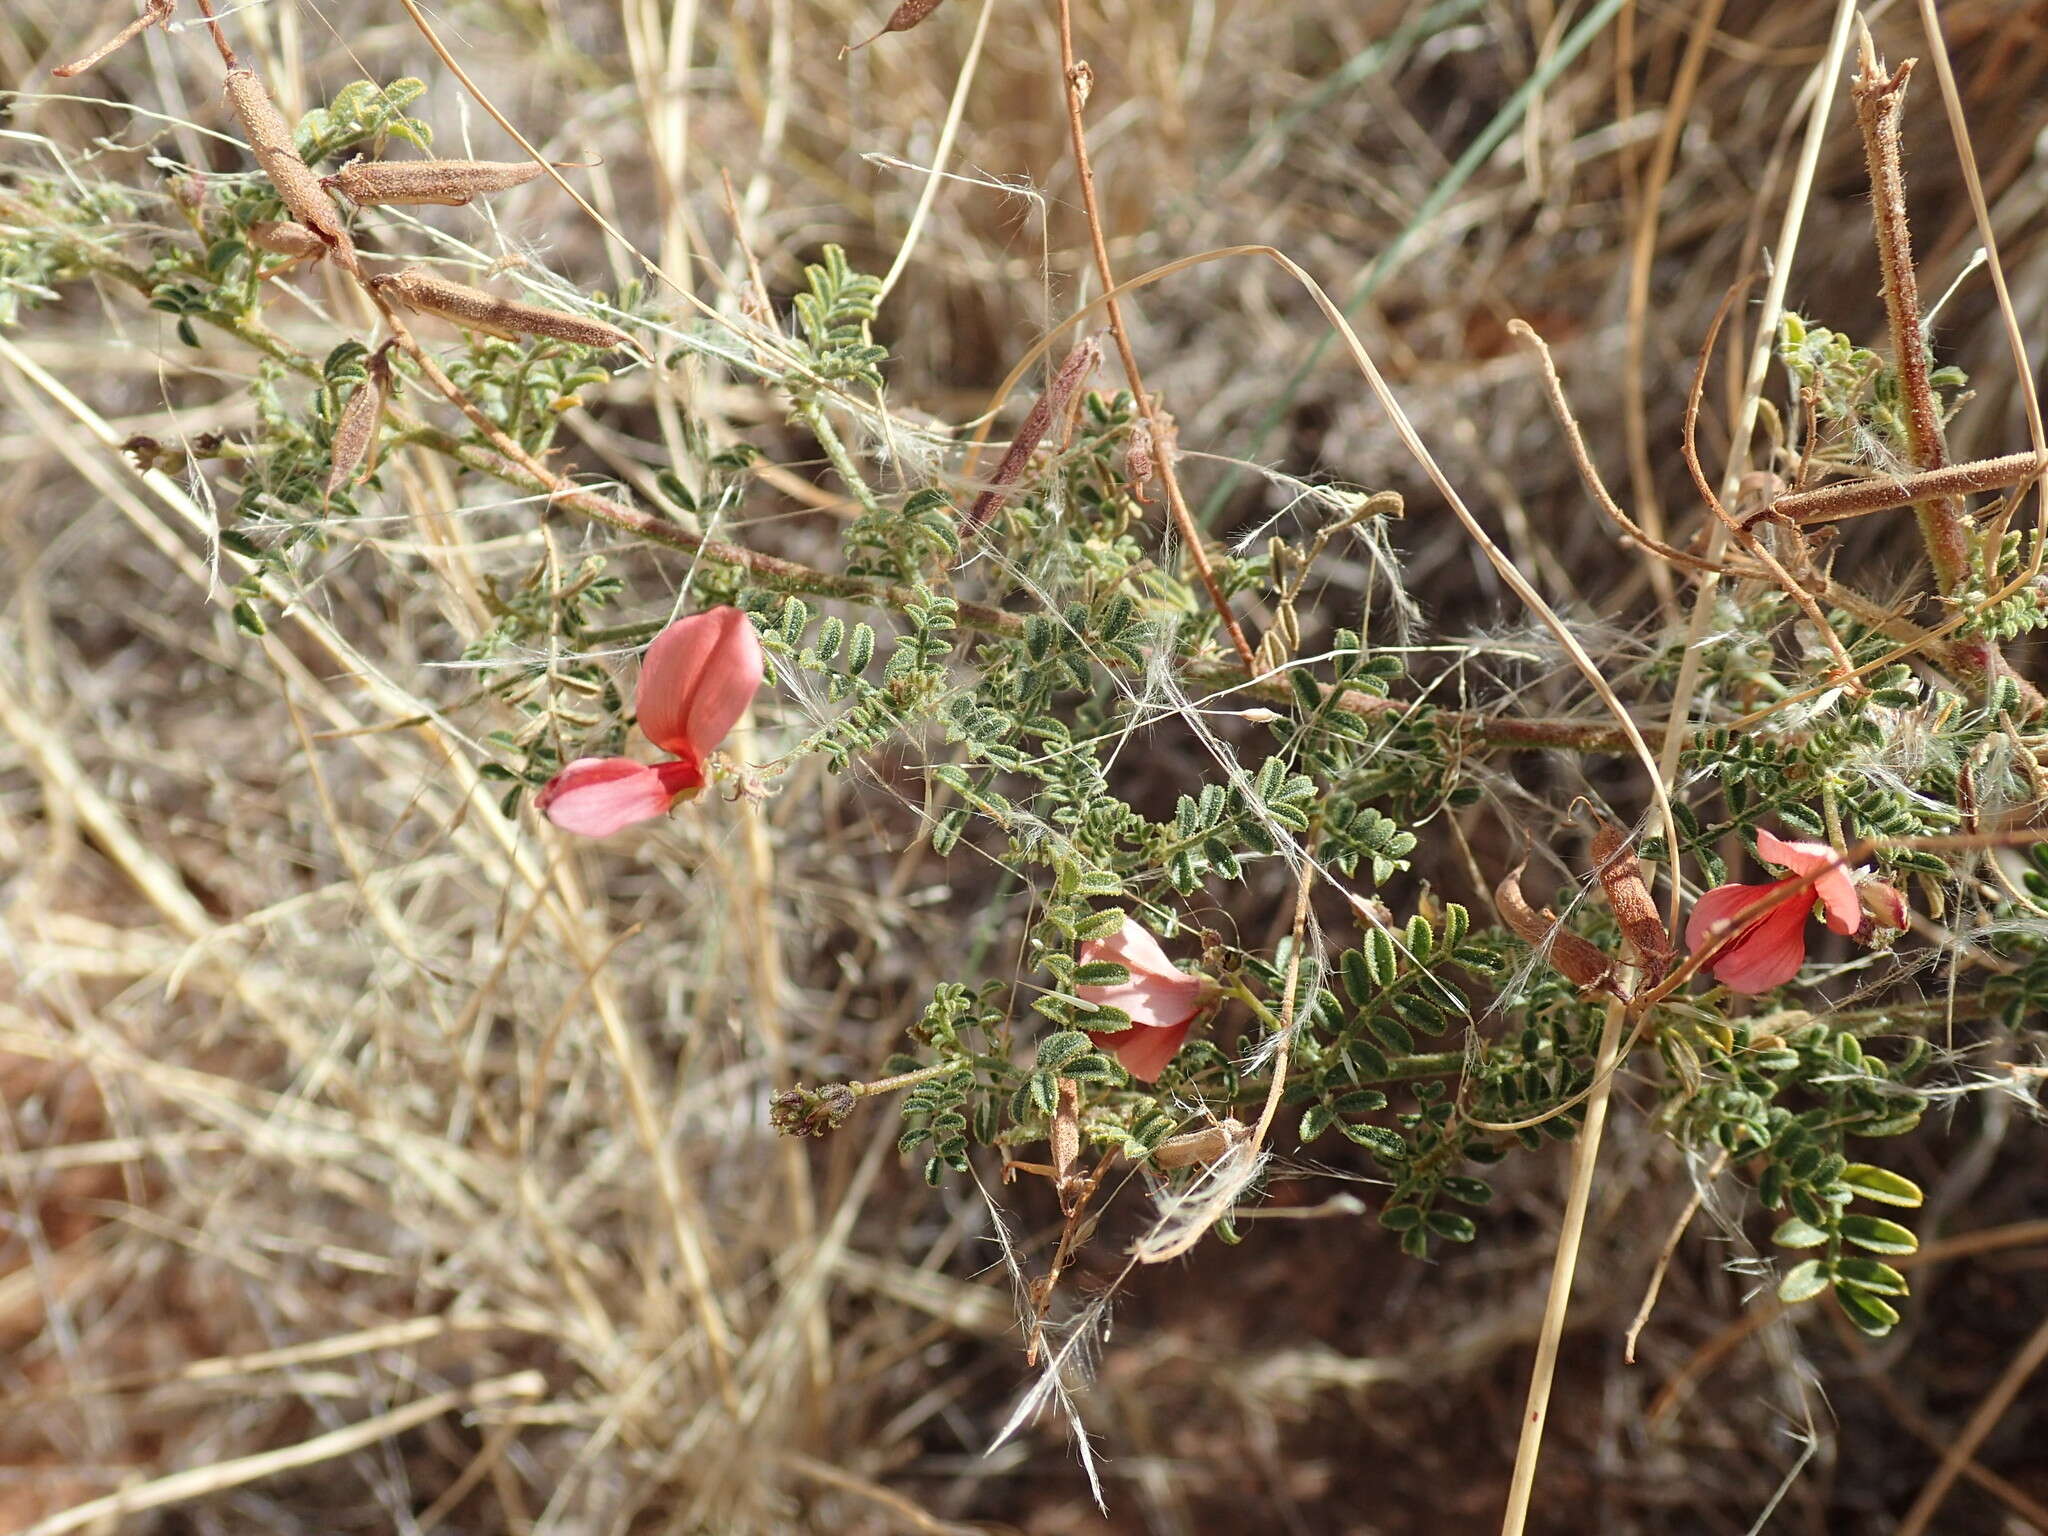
(271,141)
(444,183)
(155,13)
(473,309)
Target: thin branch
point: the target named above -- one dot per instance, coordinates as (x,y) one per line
(1078,79)
(1880,99)
(1845,668)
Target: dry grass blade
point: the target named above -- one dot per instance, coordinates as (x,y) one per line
(182,1487)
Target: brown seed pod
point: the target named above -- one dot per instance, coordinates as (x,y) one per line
(1203,1146)
(1065,1142)
(270,139)
(902,19)
(1629,897)
(1139,463)
(1079,363)
(283,237)
(1574,958)
(357,428)
(448,183)
(473,309)
(155,13)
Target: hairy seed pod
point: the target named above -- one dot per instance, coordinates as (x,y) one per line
(270,139)
(1629,897)
(447,183)
(357,428)
(1082,361)
(1574,958)
(1064,1139)
(1203,1146)
(1139,464)
(473,309)
(155,13)
(902,19)
(283,237)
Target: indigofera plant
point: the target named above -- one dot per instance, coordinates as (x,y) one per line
(1093,750)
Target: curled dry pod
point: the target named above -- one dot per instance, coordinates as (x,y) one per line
(155,13)
(357,429)
(283,237)
(448,183)
(902,19)
(1574,958)
(472,308)
(270,139)
(1621,877)
(1079,363)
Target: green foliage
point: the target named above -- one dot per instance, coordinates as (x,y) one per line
(1067,718)
(363,113)
(1855,392)
(834,312)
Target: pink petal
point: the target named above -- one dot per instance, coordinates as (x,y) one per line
(596,796)
(1885,904)
(1836,887)
(1766,954)
(699,676)
(1134,946)
(1145,1052)
(1159,994)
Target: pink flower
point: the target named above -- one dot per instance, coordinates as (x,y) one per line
(1162,1000)
(698,678)
(1768,952)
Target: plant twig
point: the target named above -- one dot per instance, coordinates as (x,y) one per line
(1671,1241)
(1880,98)
(1077,80)
(1881,493)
